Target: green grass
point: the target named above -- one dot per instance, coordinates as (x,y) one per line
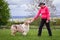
(32,35)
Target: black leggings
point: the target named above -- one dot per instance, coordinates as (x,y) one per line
(43,21)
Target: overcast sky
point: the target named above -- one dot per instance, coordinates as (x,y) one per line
(18,7)
(57,4)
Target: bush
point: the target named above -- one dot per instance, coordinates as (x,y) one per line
(37,22)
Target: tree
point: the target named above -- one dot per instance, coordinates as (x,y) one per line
(4,12)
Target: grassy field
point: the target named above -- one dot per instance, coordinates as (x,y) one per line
(32,35)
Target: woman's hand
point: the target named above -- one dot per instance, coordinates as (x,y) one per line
(32,20)
(47,21)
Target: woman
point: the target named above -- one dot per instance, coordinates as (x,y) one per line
(45,18)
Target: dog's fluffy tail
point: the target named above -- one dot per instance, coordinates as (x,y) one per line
(13,27)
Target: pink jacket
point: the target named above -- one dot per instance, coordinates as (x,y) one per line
(44,11)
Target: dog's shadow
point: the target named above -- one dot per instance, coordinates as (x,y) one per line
(19,34)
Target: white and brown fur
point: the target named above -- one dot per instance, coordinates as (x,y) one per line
(22,28)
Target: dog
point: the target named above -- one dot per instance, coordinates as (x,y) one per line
(22,28)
